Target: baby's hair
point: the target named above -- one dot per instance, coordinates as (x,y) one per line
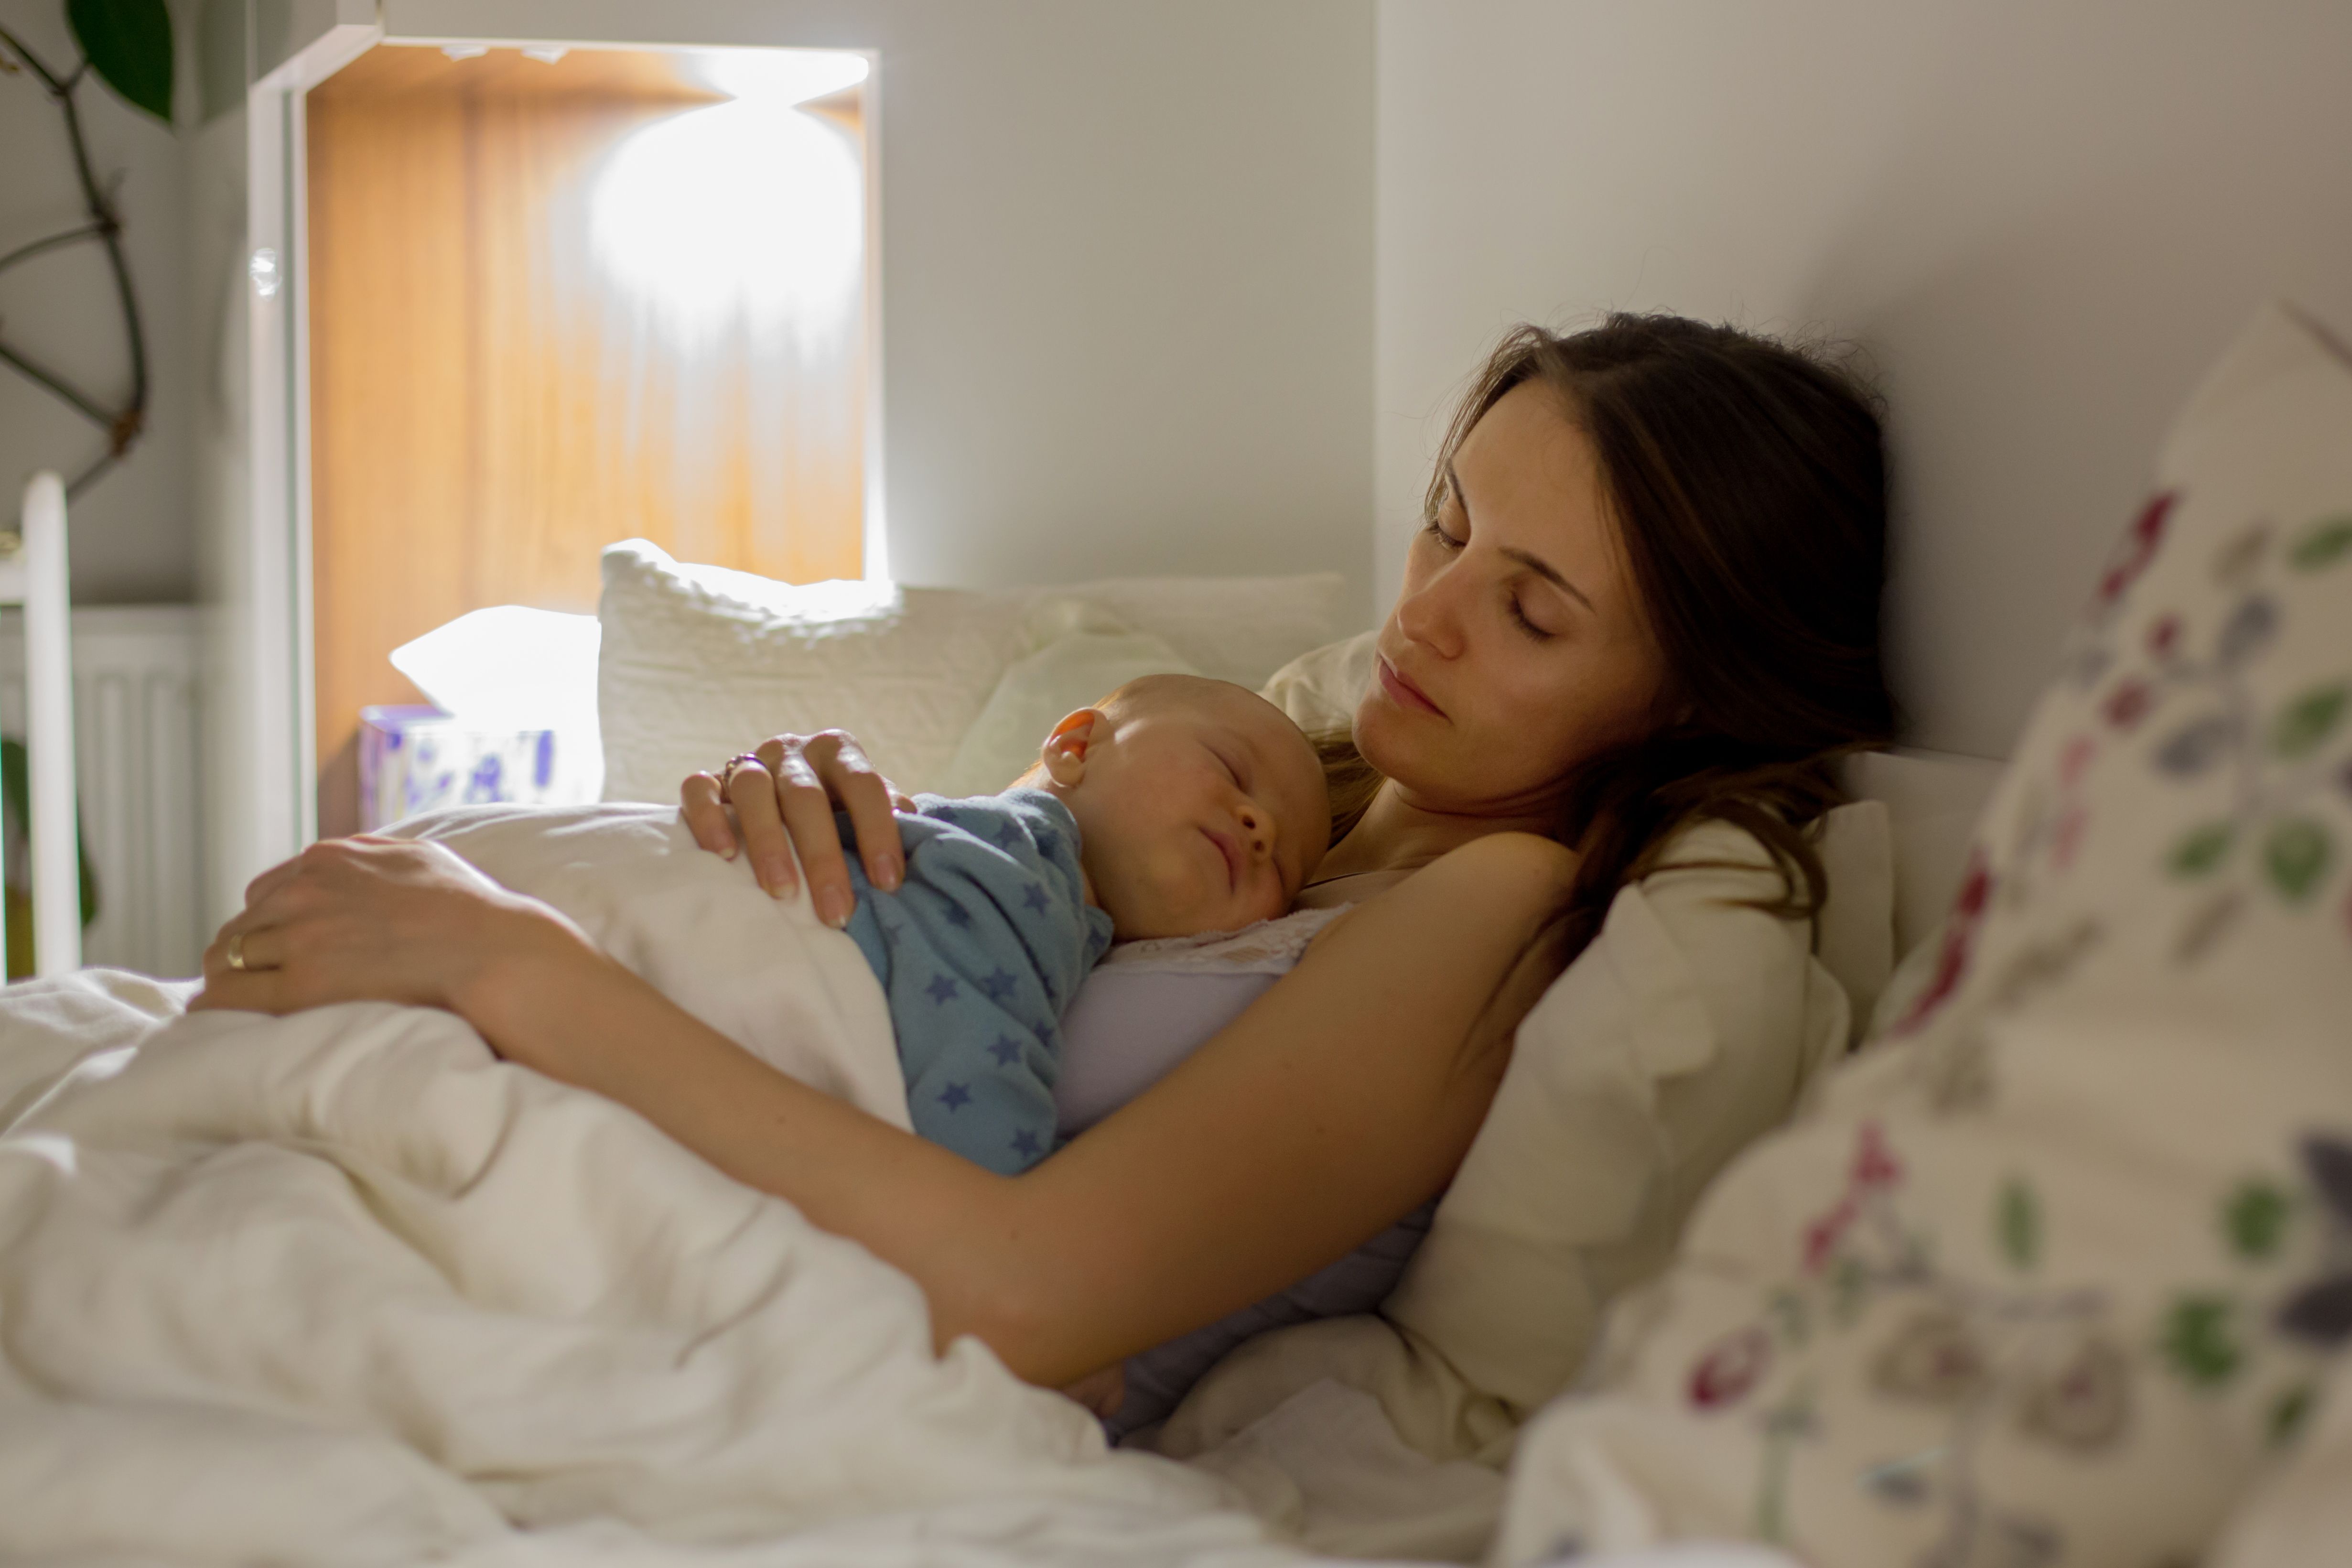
(1350,781)
(1147,688)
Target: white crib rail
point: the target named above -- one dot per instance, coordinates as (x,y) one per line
(34,577)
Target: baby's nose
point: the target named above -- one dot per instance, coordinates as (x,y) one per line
(1258,827)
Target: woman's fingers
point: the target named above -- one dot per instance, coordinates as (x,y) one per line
(702,803)
(784,795)
(808,819)
(856,788)
(269,881)
(257,992)
(360,918)
(759,820)
(255,982)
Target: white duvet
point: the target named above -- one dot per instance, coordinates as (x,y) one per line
(344,1288)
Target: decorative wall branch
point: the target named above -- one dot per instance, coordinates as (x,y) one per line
(130,43)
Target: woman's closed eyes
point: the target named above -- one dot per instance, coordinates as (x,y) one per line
(1516,607)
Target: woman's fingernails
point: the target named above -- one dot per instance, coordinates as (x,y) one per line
(833,908)
(727,853)
(889,873)
(777,880)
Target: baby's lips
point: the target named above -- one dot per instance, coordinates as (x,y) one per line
(1233,858)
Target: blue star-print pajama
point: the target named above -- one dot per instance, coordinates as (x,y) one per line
(979,952)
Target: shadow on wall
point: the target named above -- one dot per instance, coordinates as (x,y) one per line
(2069,224)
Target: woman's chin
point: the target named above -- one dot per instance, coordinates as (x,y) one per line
(1433,766)
(1397,743)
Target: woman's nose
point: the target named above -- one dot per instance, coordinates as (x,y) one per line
(1431,615)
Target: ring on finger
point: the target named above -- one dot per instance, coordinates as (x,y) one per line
(235,954)
(727,770)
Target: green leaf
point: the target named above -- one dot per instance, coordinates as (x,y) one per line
(2201,849)
(2296,856)
(2017,1220)
(2323,543)
(2305,725)
(2198,1342)
(1849,1291)
(129,43)
(1787,1310)
(2289,1412)
(2254,1219)
(14,790)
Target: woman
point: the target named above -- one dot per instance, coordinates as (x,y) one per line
(1646,591)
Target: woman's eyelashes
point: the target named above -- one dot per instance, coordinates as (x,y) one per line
(1519,615)
(1436,531)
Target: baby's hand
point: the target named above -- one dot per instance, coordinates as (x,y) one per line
(1101,1392)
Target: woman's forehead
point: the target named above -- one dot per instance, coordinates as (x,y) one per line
(1533,482)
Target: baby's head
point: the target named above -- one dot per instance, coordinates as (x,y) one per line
(1201,807)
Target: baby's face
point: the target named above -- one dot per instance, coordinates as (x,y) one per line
(1201,808)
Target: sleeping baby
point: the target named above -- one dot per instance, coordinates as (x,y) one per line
(1177,805)
(1175,808)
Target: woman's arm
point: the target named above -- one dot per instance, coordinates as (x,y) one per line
(1340,1100)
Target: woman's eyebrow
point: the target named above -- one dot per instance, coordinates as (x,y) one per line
(1549,573)
(1535,563)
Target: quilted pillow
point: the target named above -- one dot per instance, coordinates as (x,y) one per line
(2052,1275)
(698,662)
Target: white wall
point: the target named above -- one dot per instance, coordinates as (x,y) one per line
(133,539)
(2043,216)
(1126,269)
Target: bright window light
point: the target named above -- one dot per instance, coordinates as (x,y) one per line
(783,77)
(743,217)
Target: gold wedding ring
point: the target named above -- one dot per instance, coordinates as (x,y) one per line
(237,950)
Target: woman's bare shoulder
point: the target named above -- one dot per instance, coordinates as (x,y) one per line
(1513,876)
(1499,865)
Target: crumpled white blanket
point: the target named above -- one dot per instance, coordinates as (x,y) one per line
(344,1288)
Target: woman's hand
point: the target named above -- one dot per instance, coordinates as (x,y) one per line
(784,795)
(374,919)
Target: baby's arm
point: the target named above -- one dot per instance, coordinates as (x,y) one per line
(983,949)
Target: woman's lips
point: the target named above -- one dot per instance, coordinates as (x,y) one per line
(1403,692)
(1233,854)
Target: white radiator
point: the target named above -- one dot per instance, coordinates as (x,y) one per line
(137,766)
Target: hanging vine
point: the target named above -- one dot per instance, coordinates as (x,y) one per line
(128,43)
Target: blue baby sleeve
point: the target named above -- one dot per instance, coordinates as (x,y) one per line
(979,951)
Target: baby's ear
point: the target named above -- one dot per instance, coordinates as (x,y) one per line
(1065,752)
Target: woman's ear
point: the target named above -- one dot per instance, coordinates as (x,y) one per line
(1065,752)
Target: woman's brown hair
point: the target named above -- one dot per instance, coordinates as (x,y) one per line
(1747,481)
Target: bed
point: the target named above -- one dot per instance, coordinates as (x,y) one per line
(342,1287)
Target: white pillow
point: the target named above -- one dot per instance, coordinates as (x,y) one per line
(700,662)
(2056,1272)
(1240,629)
(1320,689)
(1092,657)
(762,970)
